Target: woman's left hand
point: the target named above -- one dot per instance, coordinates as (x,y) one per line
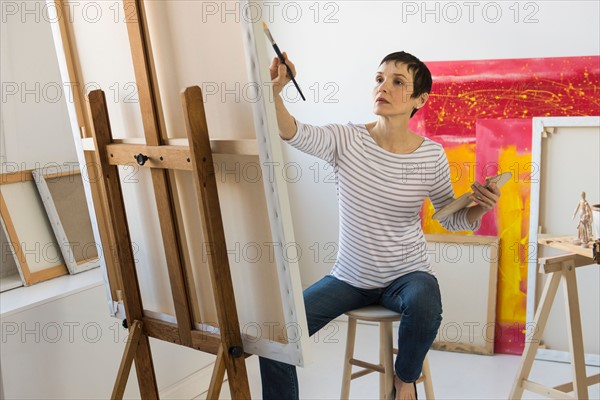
(485,197)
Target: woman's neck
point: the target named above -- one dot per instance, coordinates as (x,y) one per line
(390,129)
(393,135)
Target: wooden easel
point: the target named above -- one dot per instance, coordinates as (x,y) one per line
(227,345)
(559,268)
(161,158)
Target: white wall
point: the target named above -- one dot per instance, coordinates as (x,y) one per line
(340,58)
(34,112)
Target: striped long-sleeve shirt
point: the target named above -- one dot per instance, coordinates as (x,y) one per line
(380,195)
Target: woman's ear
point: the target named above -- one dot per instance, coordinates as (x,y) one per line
(422,100)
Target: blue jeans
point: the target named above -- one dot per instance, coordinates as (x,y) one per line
(415,295)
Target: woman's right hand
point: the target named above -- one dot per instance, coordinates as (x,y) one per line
(279,75)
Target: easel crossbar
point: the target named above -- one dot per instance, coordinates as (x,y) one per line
(205,341)
(240,147)
(165,156)
(589,381)
(545,391)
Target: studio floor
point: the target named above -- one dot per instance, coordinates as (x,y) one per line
(455,375)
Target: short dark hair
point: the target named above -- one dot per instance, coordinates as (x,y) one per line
(421,74)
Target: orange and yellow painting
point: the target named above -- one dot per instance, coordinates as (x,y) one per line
(481,112)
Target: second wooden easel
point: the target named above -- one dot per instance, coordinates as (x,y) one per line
(558,268)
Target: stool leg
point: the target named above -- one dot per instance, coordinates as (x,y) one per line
(427,382)
(386,349)
(347,376)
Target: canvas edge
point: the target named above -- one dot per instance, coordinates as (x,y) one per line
(269,145)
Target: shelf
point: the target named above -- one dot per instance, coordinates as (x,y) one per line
(23,298)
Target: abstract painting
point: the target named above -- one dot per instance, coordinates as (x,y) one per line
(481,111)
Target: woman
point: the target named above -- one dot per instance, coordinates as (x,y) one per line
(384,172)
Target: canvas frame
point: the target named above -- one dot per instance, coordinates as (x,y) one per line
(43,179)
(12,232)
(540,127)
(490,280)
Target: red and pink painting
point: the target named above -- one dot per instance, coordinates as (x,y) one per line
(481,112)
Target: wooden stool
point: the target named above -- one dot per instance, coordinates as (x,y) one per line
(385,318)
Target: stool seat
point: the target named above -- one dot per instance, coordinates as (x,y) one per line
(374,314)
(385,318)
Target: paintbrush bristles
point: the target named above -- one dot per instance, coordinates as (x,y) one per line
(268,33)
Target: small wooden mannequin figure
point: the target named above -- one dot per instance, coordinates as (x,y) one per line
(584,228)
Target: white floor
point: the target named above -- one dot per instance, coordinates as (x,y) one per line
(455,375)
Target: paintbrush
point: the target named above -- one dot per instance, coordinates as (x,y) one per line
(280,55)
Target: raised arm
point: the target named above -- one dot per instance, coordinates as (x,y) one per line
(279,78)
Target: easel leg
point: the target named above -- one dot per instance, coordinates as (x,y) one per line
(212,224)
(128,356)
(98,110)
(531,346)
(575,335)
(216,381)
